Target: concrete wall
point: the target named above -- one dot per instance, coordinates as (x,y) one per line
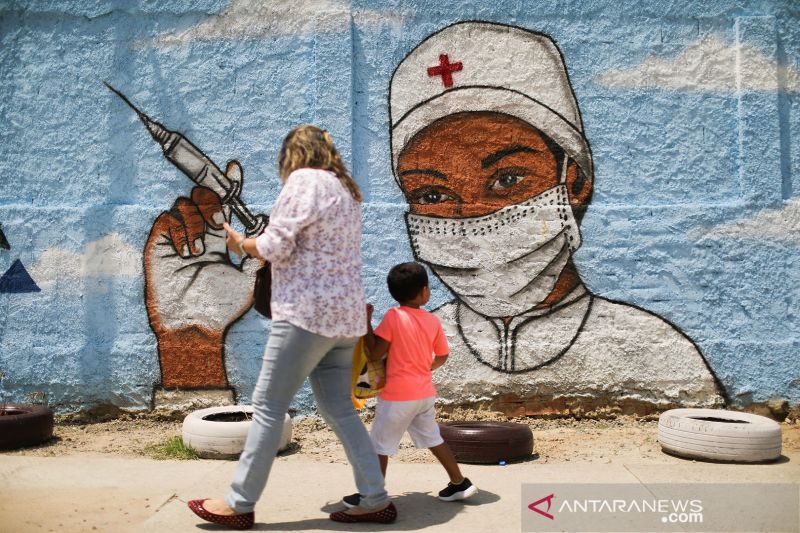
(680,286)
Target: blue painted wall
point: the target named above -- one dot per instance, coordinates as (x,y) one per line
(694,215)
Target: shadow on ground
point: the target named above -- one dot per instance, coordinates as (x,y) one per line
(779,461)
(415,510)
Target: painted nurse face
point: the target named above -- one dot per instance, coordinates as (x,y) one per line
(474,163)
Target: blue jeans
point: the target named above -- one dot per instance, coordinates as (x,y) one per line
(293,353)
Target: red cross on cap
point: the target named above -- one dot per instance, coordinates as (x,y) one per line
(445,69)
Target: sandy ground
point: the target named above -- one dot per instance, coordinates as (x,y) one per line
(94,479)
(622,439)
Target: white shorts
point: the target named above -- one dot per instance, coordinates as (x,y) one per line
(392,419)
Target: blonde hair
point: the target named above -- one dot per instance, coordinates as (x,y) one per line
(308,146)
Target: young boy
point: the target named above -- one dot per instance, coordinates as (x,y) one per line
(411,336)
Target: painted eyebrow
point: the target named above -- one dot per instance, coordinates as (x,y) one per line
(491,159)
(428,172)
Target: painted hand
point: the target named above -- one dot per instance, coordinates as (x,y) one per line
(193,291)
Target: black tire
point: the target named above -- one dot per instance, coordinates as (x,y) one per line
(25,425)
(488,442)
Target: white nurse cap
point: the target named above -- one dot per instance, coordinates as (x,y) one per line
(482,66)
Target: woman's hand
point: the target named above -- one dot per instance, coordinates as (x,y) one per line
(234,240)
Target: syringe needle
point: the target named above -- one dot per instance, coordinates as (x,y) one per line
(198,167)
(158,131)
(124,98)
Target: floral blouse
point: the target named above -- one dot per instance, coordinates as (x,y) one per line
(313,241)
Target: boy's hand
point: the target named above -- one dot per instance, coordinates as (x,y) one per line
(375,347)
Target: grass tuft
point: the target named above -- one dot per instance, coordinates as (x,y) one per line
(172,448)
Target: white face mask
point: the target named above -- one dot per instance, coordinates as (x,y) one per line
(504,263)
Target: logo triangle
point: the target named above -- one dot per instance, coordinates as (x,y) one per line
(16,280)
(534,506)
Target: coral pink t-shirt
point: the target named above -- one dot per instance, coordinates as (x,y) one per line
(414,337)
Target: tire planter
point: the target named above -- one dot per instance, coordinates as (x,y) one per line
(719,435)
(220,432)
(25,425)
(488,442)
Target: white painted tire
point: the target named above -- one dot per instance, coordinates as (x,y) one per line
(719,435)
(223,440)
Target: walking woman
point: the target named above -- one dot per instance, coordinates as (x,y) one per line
(313,241)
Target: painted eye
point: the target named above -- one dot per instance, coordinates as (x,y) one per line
(506,181)
(429,195)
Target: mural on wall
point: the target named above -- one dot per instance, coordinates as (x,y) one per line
(488,147)
(193,292)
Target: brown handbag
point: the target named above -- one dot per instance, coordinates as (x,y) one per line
(263,290)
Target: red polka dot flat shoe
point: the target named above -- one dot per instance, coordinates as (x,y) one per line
(235,521)
(387,515)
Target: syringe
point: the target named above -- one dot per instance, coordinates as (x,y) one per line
(199,168)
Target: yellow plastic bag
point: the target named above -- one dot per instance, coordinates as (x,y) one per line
(367,376)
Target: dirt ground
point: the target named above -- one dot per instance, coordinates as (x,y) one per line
(621,439)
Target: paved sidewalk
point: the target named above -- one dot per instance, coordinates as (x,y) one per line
(99,493)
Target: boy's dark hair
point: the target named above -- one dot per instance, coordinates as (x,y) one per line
(406,280)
